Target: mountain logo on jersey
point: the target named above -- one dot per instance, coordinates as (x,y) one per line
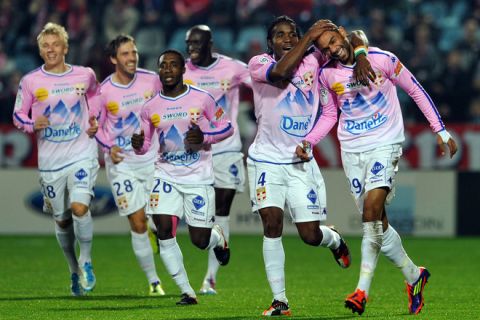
(65,123)
(222,101)
(297,126)
(298,98)
(198,202)
(173,147)
(377,167)
(112,107)
(41,94)
(362,126)
(124,128)
(225,85)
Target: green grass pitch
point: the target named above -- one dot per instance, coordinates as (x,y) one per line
(34,282)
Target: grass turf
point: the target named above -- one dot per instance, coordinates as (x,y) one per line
(34,282)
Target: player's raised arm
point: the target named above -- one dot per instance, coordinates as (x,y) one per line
(406,80)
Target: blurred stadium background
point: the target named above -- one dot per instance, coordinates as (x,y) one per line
(438,40)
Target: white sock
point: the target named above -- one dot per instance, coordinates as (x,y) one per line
(216,240)
(330,238)
(173,260)
(213,264)
(274,258)
(392,248)
(371,245)
(144,253)
(83,227)
(66,240)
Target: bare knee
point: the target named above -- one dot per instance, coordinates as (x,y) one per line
(79,209)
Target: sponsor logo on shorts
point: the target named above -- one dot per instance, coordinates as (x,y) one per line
(295,126)
(198,202)
(122,202)
(233,170)
(359,127)
(81,174)
(312,196)
(377,167)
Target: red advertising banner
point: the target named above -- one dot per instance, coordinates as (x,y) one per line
(18,149)
(419,149)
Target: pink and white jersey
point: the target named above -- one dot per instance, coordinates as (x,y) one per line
(222,79)
(284,116)
(119,109)
(171,118)
(62,99)
(370,117)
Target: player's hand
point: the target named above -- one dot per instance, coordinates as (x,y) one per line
(320,27)
(41,123)
(363,71)
(193,138)
(137,140)
(92,130)
(452,146)
(116,154)
(303,152)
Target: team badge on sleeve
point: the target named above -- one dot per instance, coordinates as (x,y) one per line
(323,96)
(219,113)
(80,89)
(263,60)
(398,69)
(261,194)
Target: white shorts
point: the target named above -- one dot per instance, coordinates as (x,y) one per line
(196,202)
(299,186)
(229,171)
(130,186)
(72,184)
(370,170)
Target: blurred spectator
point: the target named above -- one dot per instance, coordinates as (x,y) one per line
(119,18)
(191,12)
(474,110)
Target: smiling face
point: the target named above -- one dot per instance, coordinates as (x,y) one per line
(199,46)
(126,59)
(284,38)
(171,69)
(335,45)
(53,50)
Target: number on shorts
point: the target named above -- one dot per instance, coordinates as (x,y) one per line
(357,185)
(49,192)
(261,179)
(157,183)
(127,186)
(167,188)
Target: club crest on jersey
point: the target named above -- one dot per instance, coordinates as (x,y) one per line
(81,174)
(359,127)
(225,85)
(295,125)
(147,95)
(308,78)
(80,89)
(194,114)
(198,202)
(377,167)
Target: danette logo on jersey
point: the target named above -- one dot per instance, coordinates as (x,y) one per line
(198,202)
(181,158)
(295,125)
(359,127)
(60,133)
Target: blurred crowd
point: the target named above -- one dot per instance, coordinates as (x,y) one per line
(439,41)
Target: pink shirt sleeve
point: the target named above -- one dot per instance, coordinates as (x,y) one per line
(148,130)
(243,75)
(23,106)
(402,77)
(259,67)
(222,128)
(99,110)
(329,115)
